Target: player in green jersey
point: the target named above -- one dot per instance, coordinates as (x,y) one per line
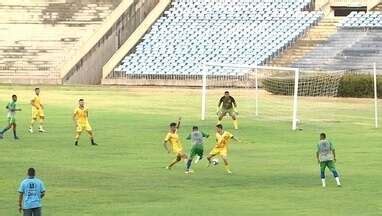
(326,157)
(12,109)
(197,149)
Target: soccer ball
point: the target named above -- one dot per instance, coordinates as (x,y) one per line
(215,161)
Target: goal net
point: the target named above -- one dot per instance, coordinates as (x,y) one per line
(275,91)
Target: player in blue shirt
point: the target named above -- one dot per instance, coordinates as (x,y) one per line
(31,190)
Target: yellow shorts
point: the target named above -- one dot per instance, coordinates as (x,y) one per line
(177,151)
(84,126)
(219,151)
(37,113)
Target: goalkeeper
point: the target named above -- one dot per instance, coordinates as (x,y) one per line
(227,105)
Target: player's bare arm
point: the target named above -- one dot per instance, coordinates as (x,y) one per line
(188,137)
(334,155)
(220,102)
(178,124)
(165,145)
(33,104)
(20,201)
(234,103)
(74,119)
(317,157)
(219,105)
(237,140)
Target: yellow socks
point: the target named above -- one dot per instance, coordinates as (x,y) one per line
(235,124)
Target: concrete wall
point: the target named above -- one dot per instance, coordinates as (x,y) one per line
(319,4)
(323,5)
(354,3)
(85,67)
(326,5)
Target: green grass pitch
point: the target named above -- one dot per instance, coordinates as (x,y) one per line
(274,168)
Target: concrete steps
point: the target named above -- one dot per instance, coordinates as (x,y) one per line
(315,36)
(36,37)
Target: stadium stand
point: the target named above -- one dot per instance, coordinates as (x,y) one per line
(316,36)
(195,31)
(370,20)
(36,36)
(357,45)
(347,49)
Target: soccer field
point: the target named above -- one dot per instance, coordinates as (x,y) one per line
(274,168)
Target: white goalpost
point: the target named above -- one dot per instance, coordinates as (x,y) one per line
(246,69)
(375,95)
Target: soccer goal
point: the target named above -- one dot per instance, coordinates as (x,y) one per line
(282,81)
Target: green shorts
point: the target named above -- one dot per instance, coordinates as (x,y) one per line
(330,164)
(230,112)
(11,120)
(196,150)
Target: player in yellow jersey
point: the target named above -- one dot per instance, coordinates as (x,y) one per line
(37,111)
(80,117)
(172,143)
(223,138)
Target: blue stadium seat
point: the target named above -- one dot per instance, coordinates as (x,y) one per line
(369,20)
(192,32)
